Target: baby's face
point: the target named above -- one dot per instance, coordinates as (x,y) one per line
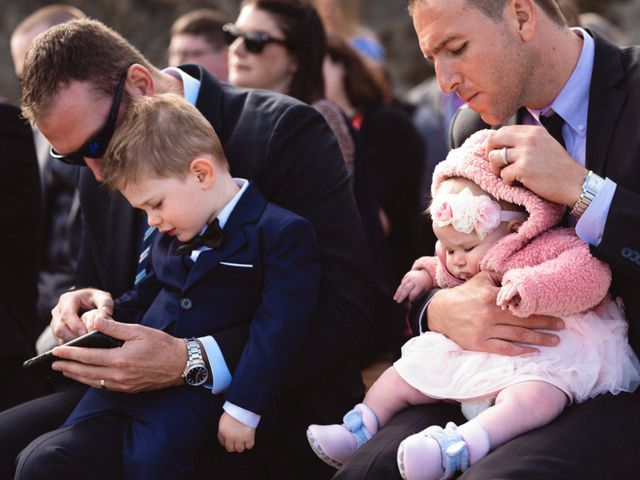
(463,251)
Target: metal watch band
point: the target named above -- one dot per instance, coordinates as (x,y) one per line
(193,351)
(590,188)
(195,364)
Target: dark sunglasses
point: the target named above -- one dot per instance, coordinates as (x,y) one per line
(96,145)
(254,41)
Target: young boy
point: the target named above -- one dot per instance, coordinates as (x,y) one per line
(223,258)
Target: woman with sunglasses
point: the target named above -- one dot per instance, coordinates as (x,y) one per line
(278,45)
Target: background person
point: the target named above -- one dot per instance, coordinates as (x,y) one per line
(20,214)
(197,37)
(61,213)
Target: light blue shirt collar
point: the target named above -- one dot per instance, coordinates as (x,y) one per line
(190,85)
(572,104)
(224,214)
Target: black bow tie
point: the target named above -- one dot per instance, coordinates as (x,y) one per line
(212,238)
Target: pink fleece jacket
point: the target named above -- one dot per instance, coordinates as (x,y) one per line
(553,269)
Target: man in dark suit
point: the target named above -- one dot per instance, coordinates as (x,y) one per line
(20,216)
(256,266)
(283,146)
(501,56)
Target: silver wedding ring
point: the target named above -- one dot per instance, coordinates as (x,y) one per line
(505,159)
(102,385)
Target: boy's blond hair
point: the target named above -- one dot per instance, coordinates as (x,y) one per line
(160,136)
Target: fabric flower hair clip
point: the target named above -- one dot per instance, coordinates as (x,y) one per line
(467,212)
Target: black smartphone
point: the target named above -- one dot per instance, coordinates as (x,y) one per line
(41,364)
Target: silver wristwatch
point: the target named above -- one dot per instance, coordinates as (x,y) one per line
(195,372)
(590,188)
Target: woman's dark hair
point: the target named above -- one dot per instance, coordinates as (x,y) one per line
(364,88)
(302,28)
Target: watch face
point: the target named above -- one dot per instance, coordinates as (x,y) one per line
(196,375)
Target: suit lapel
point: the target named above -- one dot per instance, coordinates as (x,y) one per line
(605,103)
(209,101)
(247,210)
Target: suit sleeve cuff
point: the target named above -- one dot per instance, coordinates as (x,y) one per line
(247,417)
(590,226)
(219,370)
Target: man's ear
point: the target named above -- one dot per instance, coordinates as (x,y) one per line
(523,13)
(205,172)
(514,225)
(139,81)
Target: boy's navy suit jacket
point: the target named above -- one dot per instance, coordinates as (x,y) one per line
(265,275)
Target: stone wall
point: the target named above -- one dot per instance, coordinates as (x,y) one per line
(146,23)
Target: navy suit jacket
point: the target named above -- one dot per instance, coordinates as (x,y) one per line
(264,276)
(288,150)
(613,151)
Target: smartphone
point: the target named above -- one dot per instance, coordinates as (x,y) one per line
(41,364)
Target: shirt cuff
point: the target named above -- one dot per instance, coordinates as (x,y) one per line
(219,370)
(590,226)
(247,417)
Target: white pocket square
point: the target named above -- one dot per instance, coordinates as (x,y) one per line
(240,265)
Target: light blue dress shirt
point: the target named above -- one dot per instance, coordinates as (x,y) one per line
(572,104)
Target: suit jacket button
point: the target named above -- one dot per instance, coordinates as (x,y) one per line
(185,303)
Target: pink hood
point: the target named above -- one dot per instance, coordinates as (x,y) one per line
(470,161)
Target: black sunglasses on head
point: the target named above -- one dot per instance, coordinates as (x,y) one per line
(96,145)
(254,41)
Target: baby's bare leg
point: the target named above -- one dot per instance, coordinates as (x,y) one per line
(520,408)
(387,396)
(391,394)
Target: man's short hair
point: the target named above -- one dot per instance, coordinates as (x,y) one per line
(204,22)
(83,50)
(159,137)
(494,8)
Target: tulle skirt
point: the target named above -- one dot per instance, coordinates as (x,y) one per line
(593,357)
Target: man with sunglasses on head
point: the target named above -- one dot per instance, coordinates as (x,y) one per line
(78,81)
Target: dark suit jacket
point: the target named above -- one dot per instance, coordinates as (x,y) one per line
(287,149)
(275,297)
(20,217)
(613,151)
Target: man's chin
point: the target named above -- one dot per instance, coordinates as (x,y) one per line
(492,119)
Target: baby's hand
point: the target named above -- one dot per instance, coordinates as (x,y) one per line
(508,295)
(234,435)
(90,317)
(421,263)
(413,284)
